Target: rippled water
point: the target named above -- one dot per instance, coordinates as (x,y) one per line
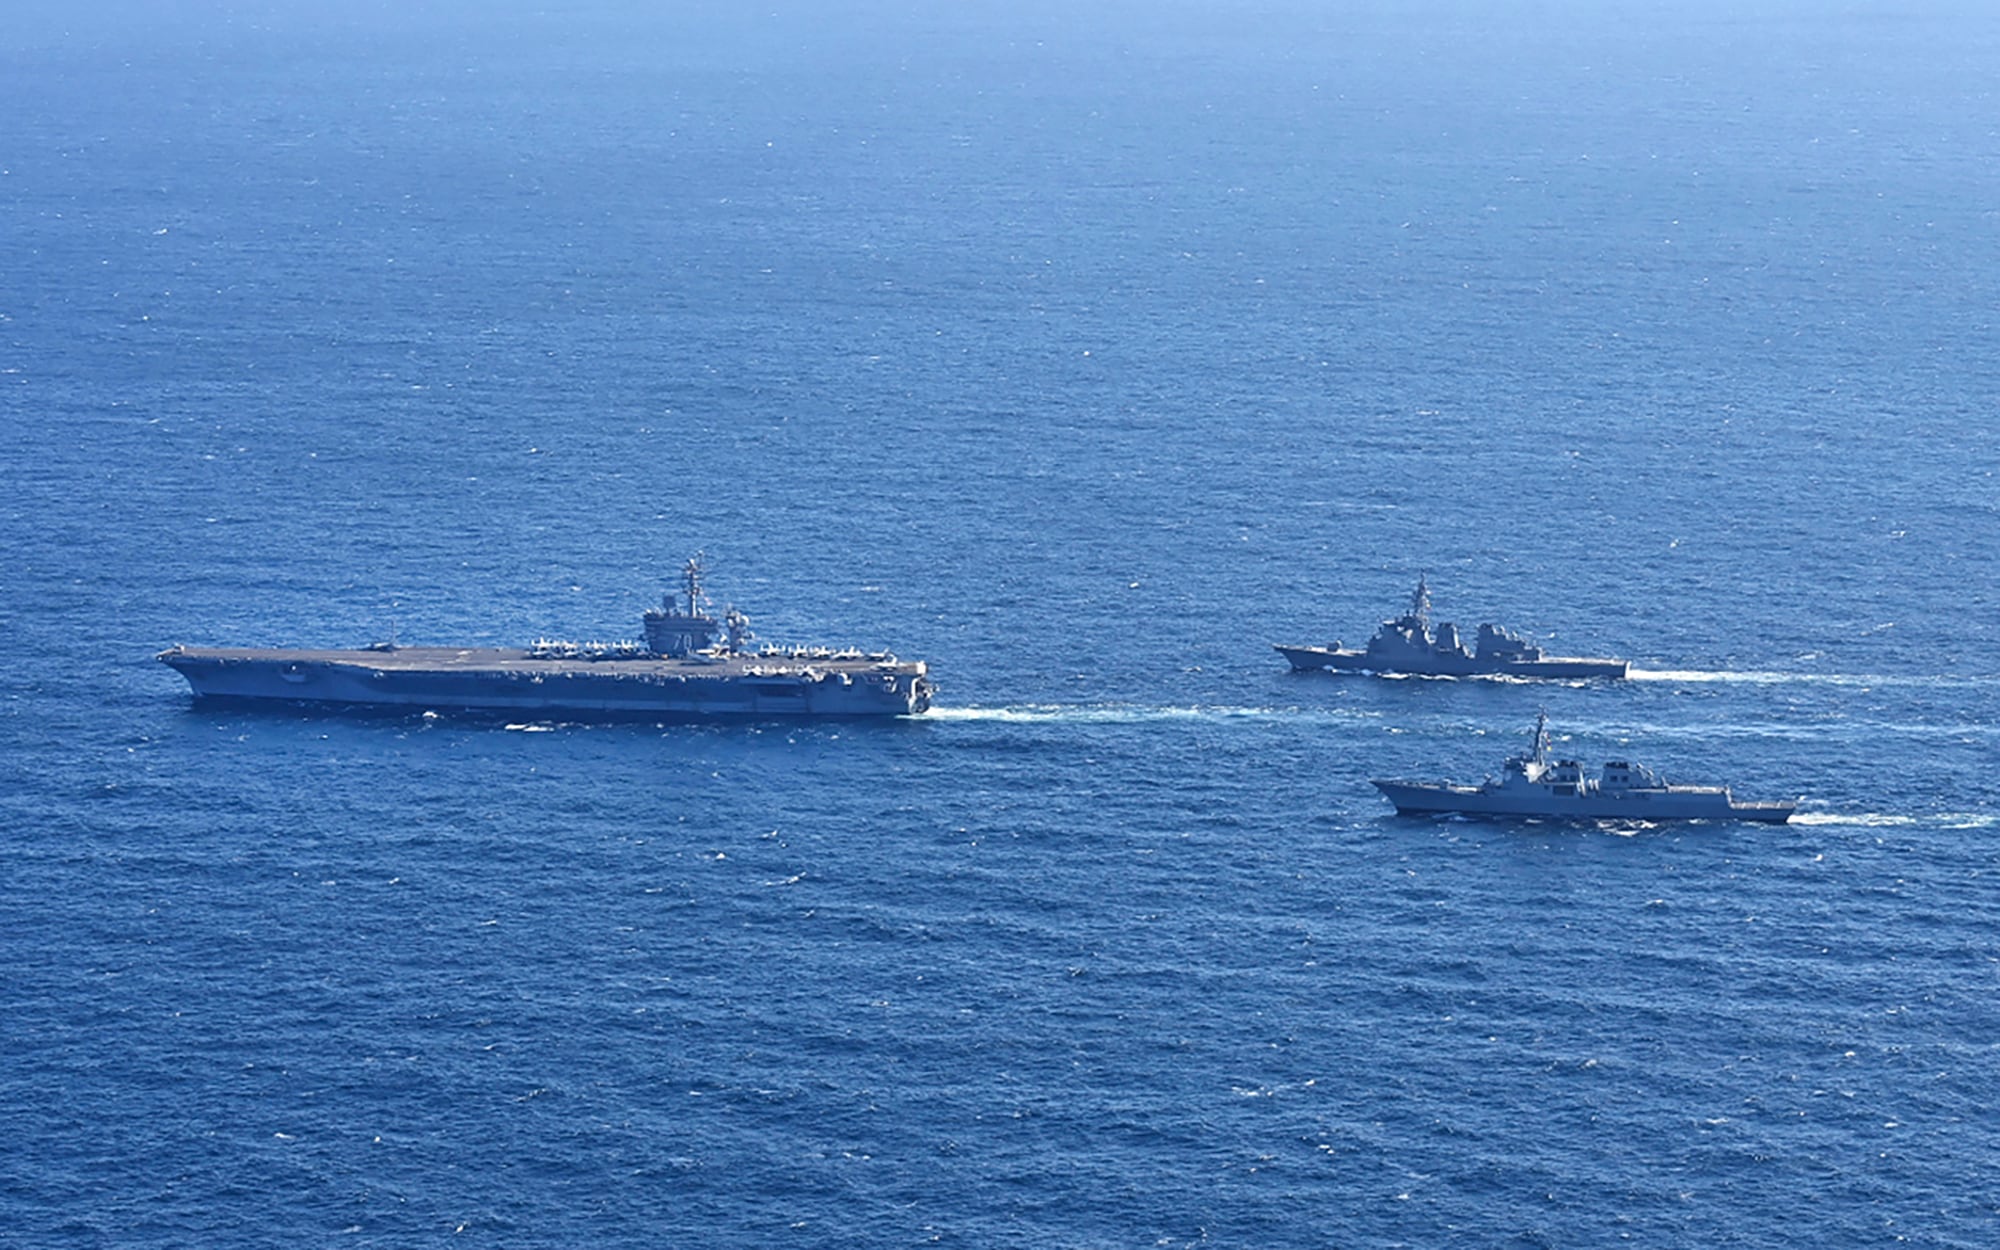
(1083,355)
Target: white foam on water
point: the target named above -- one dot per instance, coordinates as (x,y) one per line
(1126,714)
(1763,678)
(1967,820)
(1889,820)
(1874,820)
(1697,675)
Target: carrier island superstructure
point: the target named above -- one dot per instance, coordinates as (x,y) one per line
(690,665)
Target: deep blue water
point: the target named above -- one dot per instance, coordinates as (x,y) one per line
(1083,354)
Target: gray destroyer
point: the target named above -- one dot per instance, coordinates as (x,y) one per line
(1410,644)
(690,666)
(1534,786)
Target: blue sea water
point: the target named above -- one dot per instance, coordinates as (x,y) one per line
(1083,352)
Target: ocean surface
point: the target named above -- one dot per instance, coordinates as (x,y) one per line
(1084,352)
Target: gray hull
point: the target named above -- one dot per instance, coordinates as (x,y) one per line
(1351,660)
(1665,803)
(512,681)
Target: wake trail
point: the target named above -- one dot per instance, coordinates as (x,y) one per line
(1891,820)
(1132,714)
(1773,678)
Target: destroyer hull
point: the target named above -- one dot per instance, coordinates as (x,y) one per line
(1350,660)
(496,680)
(1671,803)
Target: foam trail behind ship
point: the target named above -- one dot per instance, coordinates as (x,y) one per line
(1890,820)
(1772,678)
(1134,714)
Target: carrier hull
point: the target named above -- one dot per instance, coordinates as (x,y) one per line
(754,686)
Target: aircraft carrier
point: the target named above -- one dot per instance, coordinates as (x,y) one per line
(690,665)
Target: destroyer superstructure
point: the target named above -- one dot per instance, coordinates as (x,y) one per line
(1532,785)
(1411,644)
(689,665)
